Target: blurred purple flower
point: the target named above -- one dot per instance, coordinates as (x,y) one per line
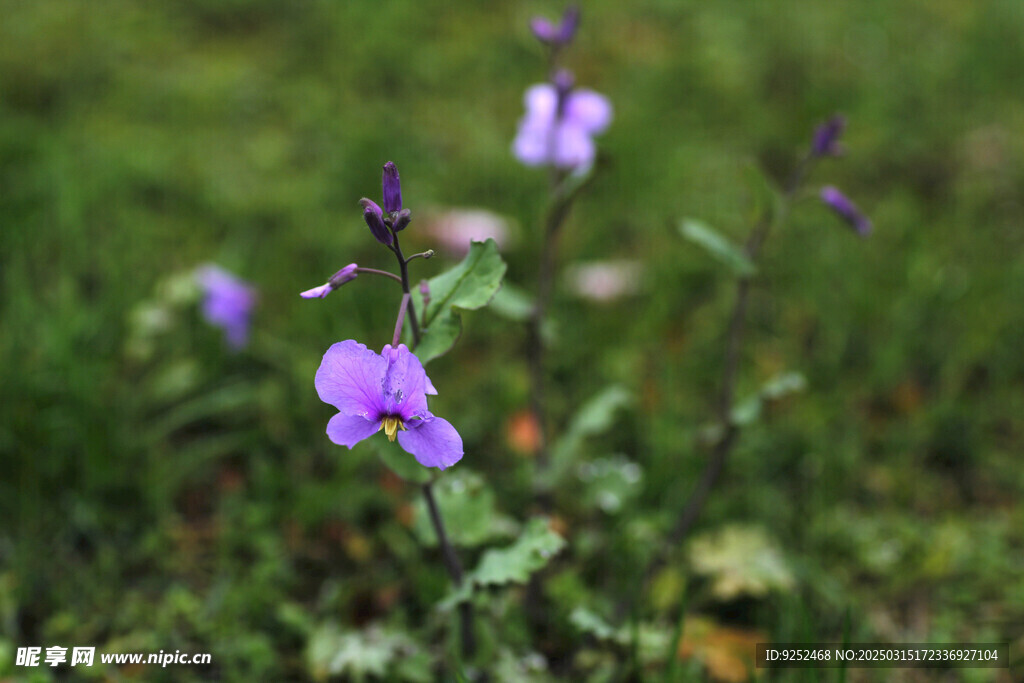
(846,210)
(826,137)
(384,392)
(227,303)
(560,35)
(346,274)
(558,126)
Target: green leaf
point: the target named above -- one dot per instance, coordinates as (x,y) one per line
(718,246)
(749,410)
(740,561)
(593,625)
(467,506)
(595,417)
(468,286)
(513,303)
(609,483)
(529,553)
(357,654)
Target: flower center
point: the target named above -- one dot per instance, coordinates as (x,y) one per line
(390,425)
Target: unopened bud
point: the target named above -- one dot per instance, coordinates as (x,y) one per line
(402,219)
(846,210)
(374,218)
(346,274)
(392,187)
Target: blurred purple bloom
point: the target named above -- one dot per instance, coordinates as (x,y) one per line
(227,303)
(384,392)
(374,218)
(392,187)
(826,137)
(346,274)
(556,130)
(560,35)
(846,210)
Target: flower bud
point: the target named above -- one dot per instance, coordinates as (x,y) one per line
(846,210)
(392,189)
(346,274)
(374,218)
(826,137)
(402,220)
(560,35)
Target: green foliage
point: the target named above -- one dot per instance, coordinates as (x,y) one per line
(467,506)
(371,653)
(740,561)
(531,551)
(468,286)
(717,246)
(592,419)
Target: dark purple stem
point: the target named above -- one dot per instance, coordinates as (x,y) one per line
(374,271)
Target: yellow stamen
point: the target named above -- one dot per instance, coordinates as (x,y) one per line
(390,425)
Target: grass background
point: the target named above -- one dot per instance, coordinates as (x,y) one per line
(160,493)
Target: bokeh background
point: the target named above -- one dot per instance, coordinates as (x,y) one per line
(159,492)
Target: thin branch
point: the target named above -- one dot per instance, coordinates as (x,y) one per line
(374,271)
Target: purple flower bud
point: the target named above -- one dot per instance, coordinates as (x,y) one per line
(557,36)
(402,220)
(392,189)
(374,218)
(346,274)
(826,137)
(544,30)
(846,210)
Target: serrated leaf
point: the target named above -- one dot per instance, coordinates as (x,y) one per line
(468,286)
(534,548)
(467,506)
(718,246)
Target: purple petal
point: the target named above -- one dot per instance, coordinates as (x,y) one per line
(350,378)
(405,383)
(543,29)
(348,430)
(541,101)
(433,441)
(532,145)
(317,292)
(589,110)
(573,147)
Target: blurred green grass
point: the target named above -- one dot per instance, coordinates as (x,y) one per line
(191,500)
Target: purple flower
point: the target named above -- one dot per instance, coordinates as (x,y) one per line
(846,210)
(826,137)
(392,187)
(557,127)
(560,35)
(384,392)
(346,274)
(227,303)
